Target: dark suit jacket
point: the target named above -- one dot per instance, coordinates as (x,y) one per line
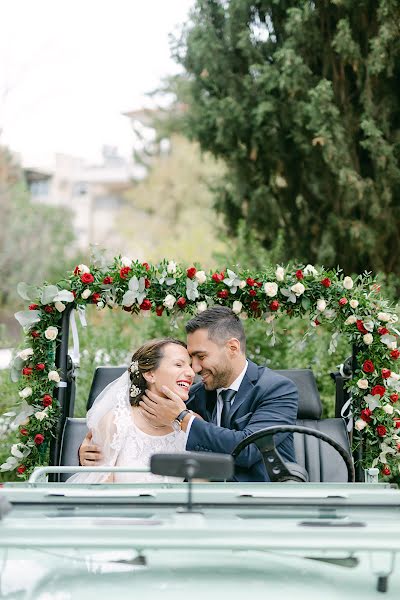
(264,399)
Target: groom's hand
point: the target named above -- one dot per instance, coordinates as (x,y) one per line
(162,410)
(89,454)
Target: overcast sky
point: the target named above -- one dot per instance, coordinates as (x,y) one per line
(69,68)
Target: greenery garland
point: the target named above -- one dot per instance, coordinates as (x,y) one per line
(354,307)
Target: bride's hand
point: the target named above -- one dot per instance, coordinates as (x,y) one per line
(89,454)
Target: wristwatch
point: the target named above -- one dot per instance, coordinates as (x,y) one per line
(177,422)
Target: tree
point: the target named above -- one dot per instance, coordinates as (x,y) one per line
(301,101)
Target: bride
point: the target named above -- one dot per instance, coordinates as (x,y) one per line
(118,425)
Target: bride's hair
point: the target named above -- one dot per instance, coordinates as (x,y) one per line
(146,358)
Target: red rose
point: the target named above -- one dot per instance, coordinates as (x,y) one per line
(274,305)
(381,430)
(159,311)
(35,334)
(386,373)
(326,282)
(191,272)
(250,281)
(223,294)
(47,400)
(395,354)
(21,469)
(147,283)
(343,301)
(254,305)
(87,278)
(95,297)
(252,293)
(107,280)
(48,309)
(124,272)
(73,293)
(218,276)
(146,266)
(33,306)
(38,439)
(368,366)
(360,326)
(23,431)
(27,371)
(181,302)
(383,330)
(76,270)
(394,398)
(386,470)
(317,322)
(258,284)
(146,304)
(40,367)
(299,274)
(366,415)
(397,423)
(378,390)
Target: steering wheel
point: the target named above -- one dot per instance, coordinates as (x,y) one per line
(275,465)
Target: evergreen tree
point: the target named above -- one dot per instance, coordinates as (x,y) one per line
(302,101)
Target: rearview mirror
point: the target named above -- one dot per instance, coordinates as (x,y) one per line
(189,465)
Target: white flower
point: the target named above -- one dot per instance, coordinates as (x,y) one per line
(171,267)
(353,303)
(270,317)
(388,408)
(83,269)
(51,333)
(321,305)
(53,376)
(280,273)
(270,288)
(394,318)
(242,284)
(201,277)
(360,424)
(59,306)
(348,283)
(25,354)
(383,316)
(169,301)
(125,261)
(40,415)
(350,320)
(298,288)
(100,305)
(86,293)
(26,392)
(368,339)
(201,307)
(310,270)
(237,307)
(243,315)
(362,384)
(329,313)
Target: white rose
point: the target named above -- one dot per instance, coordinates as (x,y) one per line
(242,284)
(83,269)
(353,303)
(362,384)
(243,315)
(310,270)
(280,273)
(348,283)
(171,267)
(383,316)
(388,408)
(25,354)
(26,392)
(125,261)
(350,320)
(368,339)
(59,306)
(329,313)
(237,307)
(201,307)
(201,277)
(100,305)
(51,333)
(298,289)
(86,293)
(360,424)
(40,415)
(394,318)
(321,305)
(270,288)
(53,376)
(169,301)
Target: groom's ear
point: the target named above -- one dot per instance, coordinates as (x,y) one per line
(233,346)
(149,376)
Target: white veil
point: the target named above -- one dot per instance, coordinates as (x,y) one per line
(108,420)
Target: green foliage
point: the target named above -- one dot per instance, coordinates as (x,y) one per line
(300,100)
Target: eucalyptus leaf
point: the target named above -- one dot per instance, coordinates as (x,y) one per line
(305,303)
(48,294)
(64,296)
(27,292)
(27,317)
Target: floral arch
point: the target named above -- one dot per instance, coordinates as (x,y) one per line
(355,307)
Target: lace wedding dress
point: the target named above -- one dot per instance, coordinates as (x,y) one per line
(122,443)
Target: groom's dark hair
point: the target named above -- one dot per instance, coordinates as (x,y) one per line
(221,324)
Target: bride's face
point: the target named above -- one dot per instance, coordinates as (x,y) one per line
(174,371)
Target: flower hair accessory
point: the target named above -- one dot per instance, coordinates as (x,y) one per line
(135,391)
(134,368)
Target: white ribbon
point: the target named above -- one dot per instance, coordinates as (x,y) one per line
(349,415)
(75,354)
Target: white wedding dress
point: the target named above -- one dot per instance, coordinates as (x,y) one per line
(122,443)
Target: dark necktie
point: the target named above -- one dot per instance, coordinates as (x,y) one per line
(226,396)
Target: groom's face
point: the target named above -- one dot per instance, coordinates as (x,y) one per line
(210,360)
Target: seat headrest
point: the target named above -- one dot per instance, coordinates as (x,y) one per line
(309,399)
(102,377)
